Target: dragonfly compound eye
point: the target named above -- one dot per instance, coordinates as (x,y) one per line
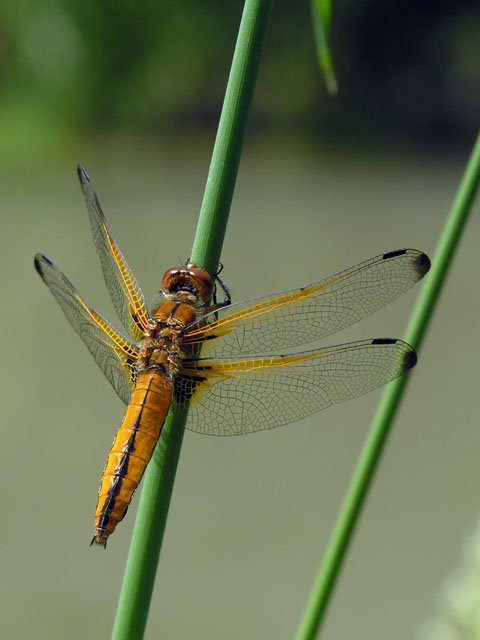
(189,278)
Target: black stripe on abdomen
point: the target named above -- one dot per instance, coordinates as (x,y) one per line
(122,470)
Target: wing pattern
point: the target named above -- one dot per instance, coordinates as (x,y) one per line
(233,391)
(114,354)
(243,395)
(300,316)
(124,290)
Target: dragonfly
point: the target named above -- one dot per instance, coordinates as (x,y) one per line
(226,361)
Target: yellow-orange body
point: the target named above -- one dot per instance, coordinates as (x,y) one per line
(160,357)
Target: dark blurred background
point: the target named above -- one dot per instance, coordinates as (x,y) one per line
(133,91)
(405,69)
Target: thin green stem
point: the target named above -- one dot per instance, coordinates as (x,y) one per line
(231,133)
(370,455)
(147,537)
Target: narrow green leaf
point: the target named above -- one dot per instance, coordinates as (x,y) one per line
(370,455)
(321,18)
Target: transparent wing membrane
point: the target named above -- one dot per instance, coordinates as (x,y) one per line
(233,396)
(114,354)
(300,316)
(231,389)
(126,295)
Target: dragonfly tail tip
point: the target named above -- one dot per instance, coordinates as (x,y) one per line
(98,541)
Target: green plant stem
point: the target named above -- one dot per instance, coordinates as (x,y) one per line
(370,455)
(231,133)
(149,528)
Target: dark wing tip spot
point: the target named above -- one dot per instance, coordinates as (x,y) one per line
(394,254)
(409,360)
(421,261)
(384,341)
(82,174)
(422,264)
(37,261)
(408,357)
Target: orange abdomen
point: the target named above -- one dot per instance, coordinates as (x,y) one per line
(131,451)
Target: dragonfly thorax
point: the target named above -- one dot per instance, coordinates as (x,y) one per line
(162,347)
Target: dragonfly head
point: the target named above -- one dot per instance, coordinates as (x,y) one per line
(187,284)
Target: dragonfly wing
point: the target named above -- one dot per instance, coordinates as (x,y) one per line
(114,354)
(124,290)
(296,317)
(242,395)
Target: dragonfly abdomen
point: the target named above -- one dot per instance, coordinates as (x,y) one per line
(131,450)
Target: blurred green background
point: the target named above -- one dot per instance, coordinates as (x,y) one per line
(134,93)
